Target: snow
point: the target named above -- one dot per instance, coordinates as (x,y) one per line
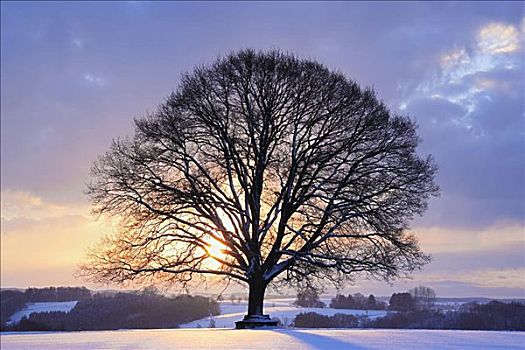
(285,339)
(64,306)
(276,308)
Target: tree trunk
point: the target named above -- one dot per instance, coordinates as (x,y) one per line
(255,317)
(256,296)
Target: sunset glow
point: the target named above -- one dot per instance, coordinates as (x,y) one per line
(215,250)
(76,74)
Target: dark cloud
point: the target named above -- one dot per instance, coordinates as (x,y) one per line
(480,152)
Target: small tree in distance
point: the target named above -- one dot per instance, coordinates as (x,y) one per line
(402,302)
(371,302)
(308,297)
(262,168)
(424,297)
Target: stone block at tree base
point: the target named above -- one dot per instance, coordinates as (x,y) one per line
(258,321)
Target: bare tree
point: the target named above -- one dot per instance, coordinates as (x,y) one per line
(262,168)
(424,297)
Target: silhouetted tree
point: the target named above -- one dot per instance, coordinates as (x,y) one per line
(402,302)
(371,302)
(360,299)
(308,297)
(340,302)
(424,297)
(351,302)
(294,171)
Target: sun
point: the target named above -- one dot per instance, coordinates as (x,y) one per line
(215,249)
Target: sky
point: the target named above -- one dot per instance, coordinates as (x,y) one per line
(75,74)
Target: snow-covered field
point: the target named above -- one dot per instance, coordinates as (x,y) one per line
(276,308)
(284,339)
(64,306)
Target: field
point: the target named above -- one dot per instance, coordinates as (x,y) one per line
(223,337)
(276,308)
(284,339)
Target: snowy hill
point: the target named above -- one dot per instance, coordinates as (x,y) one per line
(283,339)
(64,306)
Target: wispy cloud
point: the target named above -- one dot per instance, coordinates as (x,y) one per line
(78,43)
(450,240)
(485,278)
(95,79)
(26,205)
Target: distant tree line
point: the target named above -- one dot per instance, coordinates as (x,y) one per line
(357,301)
(494,315)
(121,310)
(57,294)
(315,320)
(419,298)
(415,309)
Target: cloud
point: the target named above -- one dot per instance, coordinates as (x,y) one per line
(488,261)
(443,286)
(43,241)
(95,79)
(465,262)
(456,67)
(45,251)
(23,211)
(495,282)
(455,58)
(20,198)
(497,38)
(496,49)
(78,43)
(469,107)
(438,240)
(448,288)
(23,204)
(491,277)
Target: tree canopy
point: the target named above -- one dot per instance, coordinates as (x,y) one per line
(262,167)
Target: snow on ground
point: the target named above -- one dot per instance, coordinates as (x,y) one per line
(284,339)
(276,308)
(64,306)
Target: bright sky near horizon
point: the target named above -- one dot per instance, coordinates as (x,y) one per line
(75,74)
